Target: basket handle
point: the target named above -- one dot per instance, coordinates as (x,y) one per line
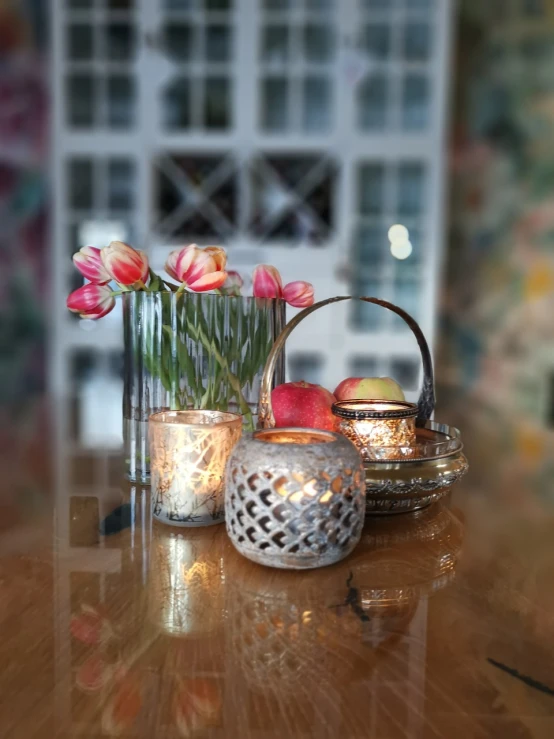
(426,402)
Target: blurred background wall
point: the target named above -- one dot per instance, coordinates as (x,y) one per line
(25,250)
(496,358)
(294,132)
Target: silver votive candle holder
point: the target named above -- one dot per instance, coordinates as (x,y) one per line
(189,450)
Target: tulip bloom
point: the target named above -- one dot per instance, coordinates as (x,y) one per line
(266,282)
(198,270)
(88,261)
(124,264)
(218,254)
(171,264)
(91,301)
(299,294)
(233,284)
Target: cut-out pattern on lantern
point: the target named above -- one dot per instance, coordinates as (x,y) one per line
(295,498)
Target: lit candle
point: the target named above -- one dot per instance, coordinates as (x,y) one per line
(188,454)
(380,429)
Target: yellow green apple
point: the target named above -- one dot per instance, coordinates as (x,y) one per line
(376,388)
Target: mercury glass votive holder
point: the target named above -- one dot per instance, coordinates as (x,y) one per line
(380,429)
(295,498)
(188,454)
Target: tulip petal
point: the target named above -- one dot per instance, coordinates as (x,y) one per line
(124,264)
(91,301)
(299,294)
(210,281)
(171,263)
(218,255)
(88,261)
(266,282)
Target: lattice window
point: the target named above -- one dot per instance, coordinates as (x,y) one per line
(100,51)
(199,41)
(396,37)
(297,52)
(387,194)
(292,198)
(196,197)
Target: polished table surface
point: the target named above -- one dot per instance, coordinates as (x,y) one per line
(441,624)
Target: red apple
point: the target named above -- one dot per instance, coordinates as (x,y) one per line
(376,388)
(303,405)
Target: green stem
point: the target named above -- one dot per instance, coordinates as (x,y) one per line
(233,379)
(170,285)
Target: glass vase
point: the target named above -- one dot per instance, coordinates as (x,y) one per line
(192,350)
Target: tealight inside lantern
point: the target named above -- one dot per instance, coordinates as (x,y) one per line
(380,429)
(295,498)
(188,454)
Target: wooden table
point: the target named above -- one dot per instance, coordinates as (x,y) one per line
(441,624)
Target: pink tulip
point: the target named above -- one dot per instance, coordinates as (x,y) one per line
(171,264)
(233,284)
(266,282)
(88,261)
(299,294)
(124,264)
(91,301)
(198,269)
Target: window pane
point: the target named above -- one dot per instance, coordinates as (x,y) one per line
(80,185)
(371,189)
(121,184)
(320,4)
(372,103)
(376,40)
(306,367)
(176,104)
(419,4)
(278,179)
(319,43)
(218,43)
(120,41)
(218,4)
(370,246)
(121,101)
(406,295)
(405,372)
(415,102)
(378,4)
(366,316)
(417,42)
(317,104)
(275,44)
(179,4)
(81,99)
(119,4)
(276,4)
(80,42)
(217,103)
(411,185)
(179,41)
(274,102)
(363,366)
